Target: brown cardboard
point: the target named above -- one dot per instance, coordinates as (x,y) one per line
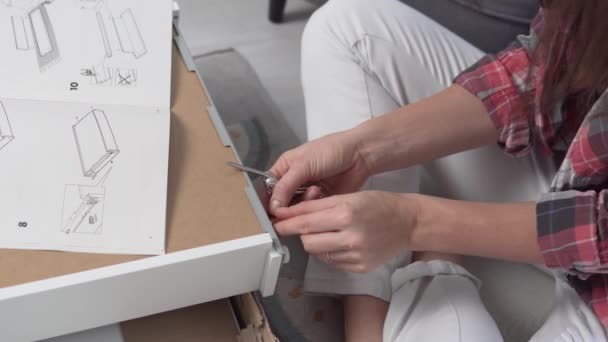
(256,327)
(206,199)
(212,321)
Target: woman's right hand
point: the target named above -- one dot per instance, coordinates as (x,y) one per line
(334,162)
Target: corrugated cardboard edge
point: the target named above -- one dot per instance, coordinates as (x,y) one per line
(253,321)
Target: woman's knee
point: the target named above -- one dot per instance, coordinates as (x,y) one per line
(335,22)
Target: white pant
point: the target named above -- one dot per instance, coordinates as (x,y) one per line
(363,58)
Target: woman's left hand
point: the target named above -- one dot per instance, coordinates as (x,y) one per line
(355,232)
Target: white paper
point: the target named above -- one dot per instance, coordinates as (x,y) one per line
(112,51)
(84,124)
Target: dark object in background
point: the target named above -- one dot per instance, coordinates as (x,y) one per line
(490,25)
(275,10)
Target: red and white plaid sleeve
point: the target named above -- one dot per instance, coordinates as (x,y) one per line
(505,83)
(572,227)
(499,82)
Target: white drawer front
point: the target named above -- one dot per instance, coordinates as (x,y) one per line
(135,289)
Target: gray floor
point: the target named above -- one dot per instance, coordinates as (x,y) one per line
(273,50)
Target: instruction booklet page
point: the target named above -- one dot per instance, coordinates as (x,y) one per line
(84,124)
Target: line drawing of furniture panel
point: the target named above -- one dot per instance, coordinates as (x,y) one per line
(104,34)
(102,75)
(129,35)
(95,142)
(43,34)
(83,209)
(6,132)
(19,33)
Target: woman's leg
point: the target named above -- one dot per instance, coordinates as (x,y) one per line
(570,320)
(361,59)
(437,300)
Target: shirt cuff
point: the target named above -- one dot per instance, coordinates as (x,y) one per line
(505,96)
(569,225)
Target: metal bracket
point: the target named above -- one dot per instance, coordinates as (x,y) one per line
(220,127)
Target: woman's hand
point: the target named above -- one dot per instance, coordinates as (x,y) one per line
(355,232)
(334,162)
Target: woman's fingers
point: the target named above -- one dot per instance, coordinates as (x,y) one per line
(352,268)
(309,223)
(313,192)
(286,187)
(340,257)
(325,242)
(306,207)
(343,262)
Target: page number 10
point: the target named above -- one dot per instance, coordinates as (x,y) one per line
(74,86)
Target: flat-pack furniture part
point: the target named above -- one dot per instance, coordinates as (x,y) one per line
(220,242)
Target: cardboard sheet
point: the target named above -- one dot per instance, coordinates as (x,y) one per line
(212,321)
(206,201)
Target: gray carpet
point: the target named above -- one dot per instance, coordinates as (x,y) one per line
(260,134)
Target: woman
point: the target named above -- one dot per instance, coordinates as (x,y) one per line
(544,92)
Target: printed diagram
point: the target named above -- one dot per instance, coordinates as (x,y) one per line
(83,209)
(83,205)
(129,36)
(45,43)
(126,77)
(20,34)
(118,33)
(123,28)
(111,76)
(84,125)
(95,142)
(120,37)
(6,132)
(34,31)
(25,4)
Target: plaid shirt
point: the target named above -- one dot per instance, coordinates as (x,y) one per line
(572,219)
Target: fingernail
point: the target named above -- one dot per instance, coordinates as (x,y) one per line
(275,204)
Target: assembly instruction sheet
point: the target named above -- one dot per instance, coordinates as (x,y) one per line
(84,124)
